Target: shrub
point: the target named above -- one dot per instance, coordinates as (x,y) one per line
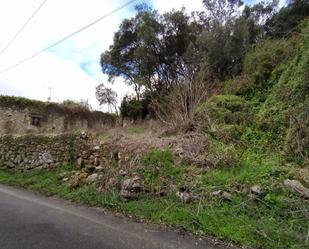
(296,144)
(290,93)
(259,64)
(133,108)
(224,116)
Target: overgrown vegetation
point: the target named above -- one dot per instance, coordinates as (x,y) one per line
(70,109)
(163,55)
(275,220)
(254,117)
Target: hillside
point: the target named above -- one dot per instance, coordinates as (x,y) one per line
(229,173)
(237,171)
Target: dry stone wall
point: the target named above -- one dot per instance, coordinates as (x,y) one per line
(36,151)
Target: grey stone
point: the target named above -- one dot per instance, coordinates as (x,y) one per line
(216,193)
(92,178)
(185,197)
(123,172)
(227,196)
(96,161)
(96,148)
(80,162)
(131,188)
(256,190)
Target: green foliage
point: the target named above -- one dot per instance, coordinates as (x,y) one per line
(290,94)
(149,49)
(134,109)
(296,144)
(159,170)
(285,22)
(260,63)
(222,153)
(225,115)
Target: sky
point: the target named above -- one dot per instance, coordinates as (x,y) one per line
(71,70)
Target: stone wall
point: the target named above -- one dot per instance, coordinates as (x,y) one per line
(34,151)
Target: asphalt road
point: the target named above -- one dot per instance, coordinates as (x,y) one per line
(31,221)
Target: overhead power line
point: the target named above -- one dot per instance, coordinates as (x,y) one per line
(22,27)
(67,37)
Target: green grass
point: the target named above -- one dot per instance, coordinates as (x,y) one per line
(136,130)
(278,220)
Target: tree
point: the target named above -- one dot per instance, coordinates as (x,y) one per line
(229,34)
(287,19)
(106,96)
(149,50)
(222,10)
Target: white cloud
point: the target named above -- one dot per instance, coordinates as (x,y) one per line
(60,68)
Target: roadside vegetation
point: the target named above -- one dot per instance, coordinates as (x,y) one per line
(232,93)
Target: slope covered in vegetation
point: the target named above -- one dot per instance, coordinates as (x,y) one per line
(223,171)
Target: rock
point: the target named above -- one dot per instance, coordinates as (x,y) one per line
(91,159)
(92,178)
(82,176)
(130,188)
(297,188)
(96,161)
(96,148)
(99,168)
(74,183)
(80,162)
(63,175)
(184,195)
(84,135)
(216,193)
(123,172)
(65,179)
(227,196)
(84,154)
(256,190)
(10,165)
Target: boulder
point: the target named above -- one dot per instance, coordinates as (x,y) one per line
(99,168)
(185,197)
(84,135)
(96,148)
(84,154)
(131,188)
(227,196)
(74,183)
(123,172)
(80,162)
(96,161)
(82,176)
(297,188)
(92,178)
(256,190)
(216,193)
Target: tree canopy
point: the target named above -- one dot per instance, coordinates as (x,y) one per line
(157,52)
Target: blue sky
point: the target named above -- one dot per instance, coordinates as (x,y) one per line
(72,68)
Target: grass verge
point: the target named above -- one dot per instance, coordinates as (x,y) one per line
(278,220)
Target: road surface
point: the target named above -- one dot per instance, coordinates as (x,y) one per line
(31,221)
